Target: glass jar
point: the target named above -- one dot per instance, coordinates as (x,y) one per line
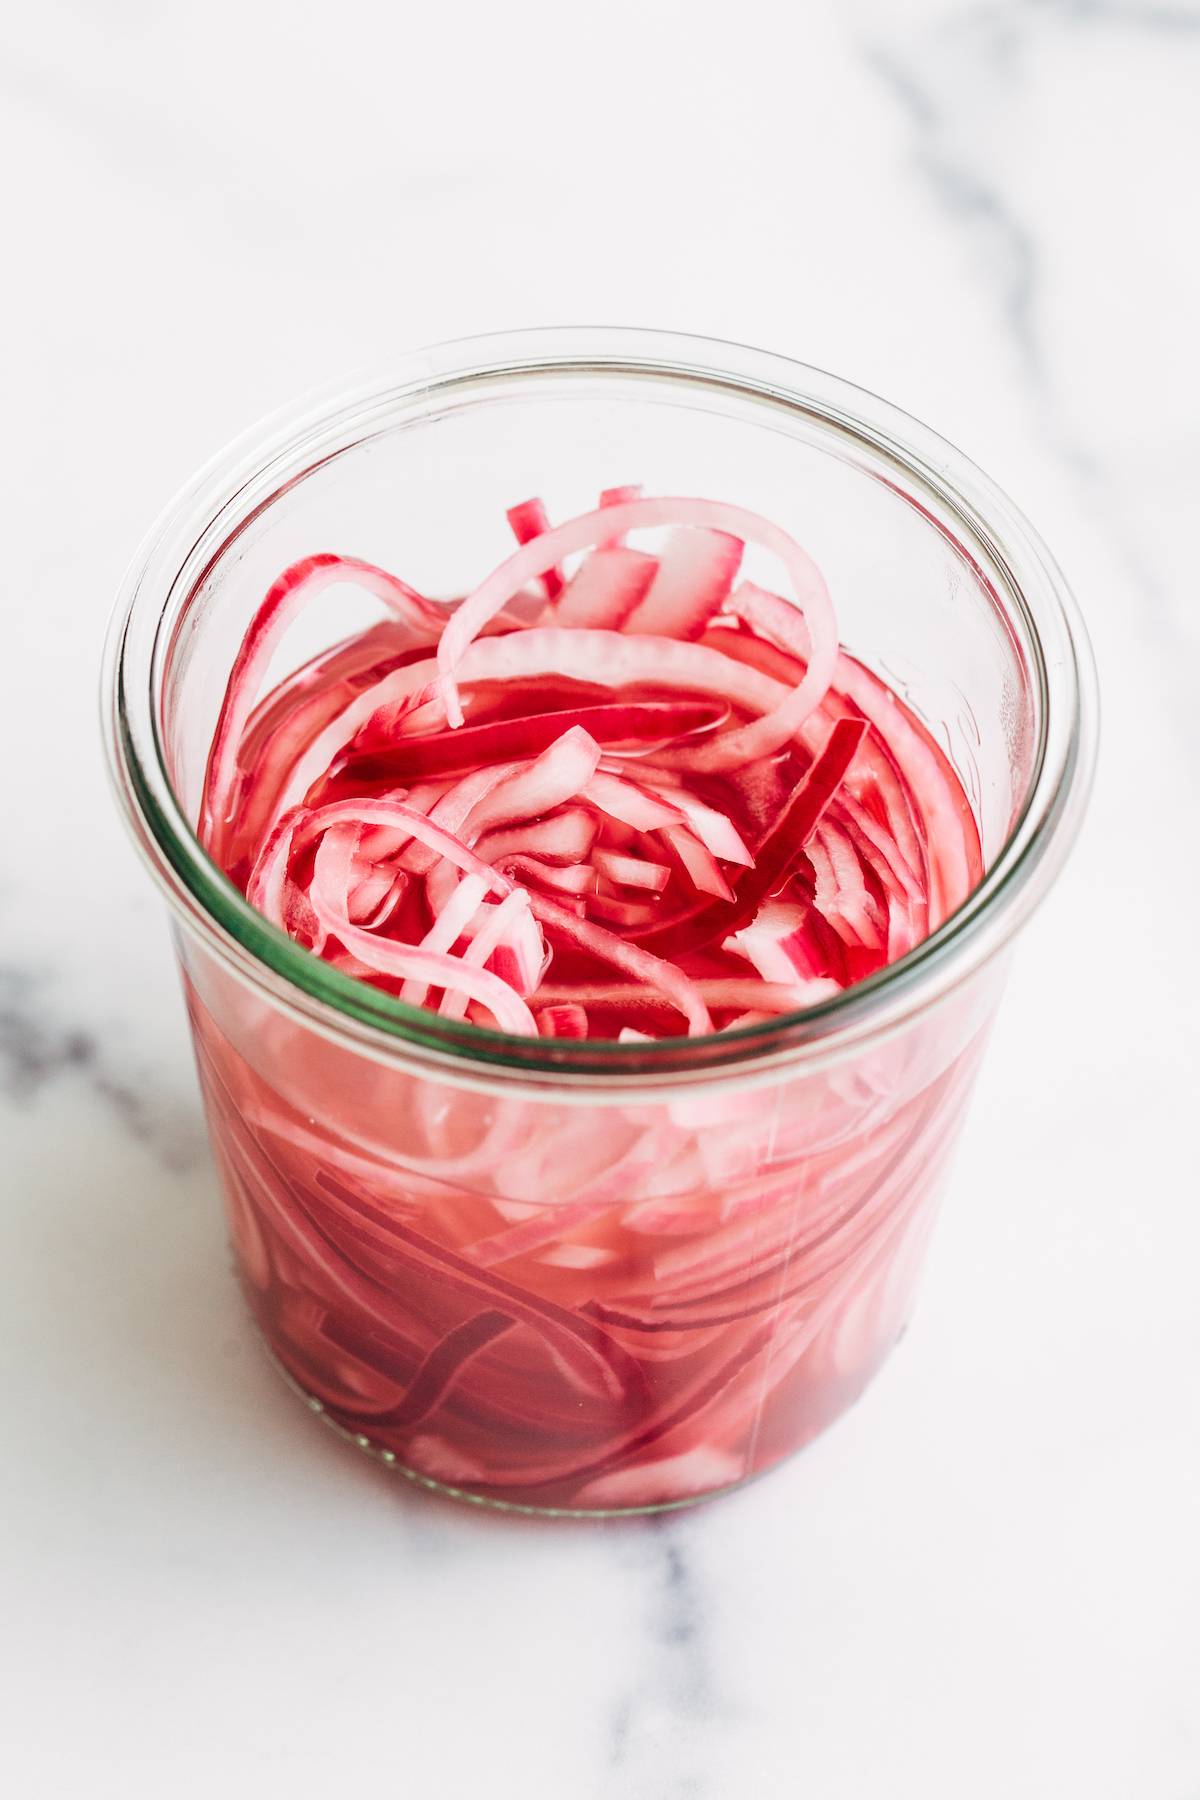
(575,1276)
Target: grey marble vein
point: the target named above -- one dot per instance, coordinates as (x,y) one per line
(37,1049)
(1178,20)
(967,194)
(658,1727)
(927,74)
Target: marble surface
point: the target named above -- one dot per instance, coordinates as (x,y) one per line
(986,1580)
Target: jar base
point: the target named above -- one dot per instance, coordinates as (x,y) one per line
(388,1459)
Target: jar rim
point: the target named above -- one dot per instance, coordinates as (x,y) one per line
(241,481)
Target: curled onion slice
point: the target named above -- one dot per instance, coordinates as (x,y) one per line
(288,594)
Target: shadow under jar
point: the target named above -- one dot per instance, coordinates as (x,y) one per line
(574,1276)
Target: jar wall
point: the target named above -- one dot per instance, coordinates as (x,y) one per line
(534,1274)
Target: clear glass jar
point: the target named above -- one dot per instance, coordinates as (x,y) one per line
(567,1276)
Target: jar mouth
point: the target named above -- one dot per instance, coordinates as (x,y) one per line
(235,488)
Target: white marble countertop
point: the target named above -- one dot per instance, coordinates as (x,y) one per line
(985,1581)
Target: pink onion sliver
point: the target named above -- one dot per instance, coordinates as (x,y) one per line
(456,806)
(563,1021)
(606,658)
(605,589)
(699,862)
(408,962)
(529,951)
(296,833)
(616,496)
(333,869)
(774,619)
(555,777)
(615,911)
(386,906)
(716,832)
(440,884)
(651,970)
(524,955)
(267,885)
(493,928)
(894,868)
(568,878)
(941,809)
(695,573)
(566,837)
(529,520)
(850,898)
(447,928)
(721,991)
(631,871)
(372,876)
(629,803)
(765,951)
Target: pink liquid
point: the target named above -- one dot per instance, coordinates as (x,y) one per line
(565,1349)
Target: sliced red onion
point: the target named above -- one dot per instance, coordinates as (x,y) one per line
(449,925)
(529,522)
(293,589)
(650,970)
(694,576)
(404,962)
(617,496)
(631,871)
(606,589)
(558,775)
(542,553)
(657,784)
(700,863)
(563,1022)
(495,927)
(632,805)
(565,838)
(636,726)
